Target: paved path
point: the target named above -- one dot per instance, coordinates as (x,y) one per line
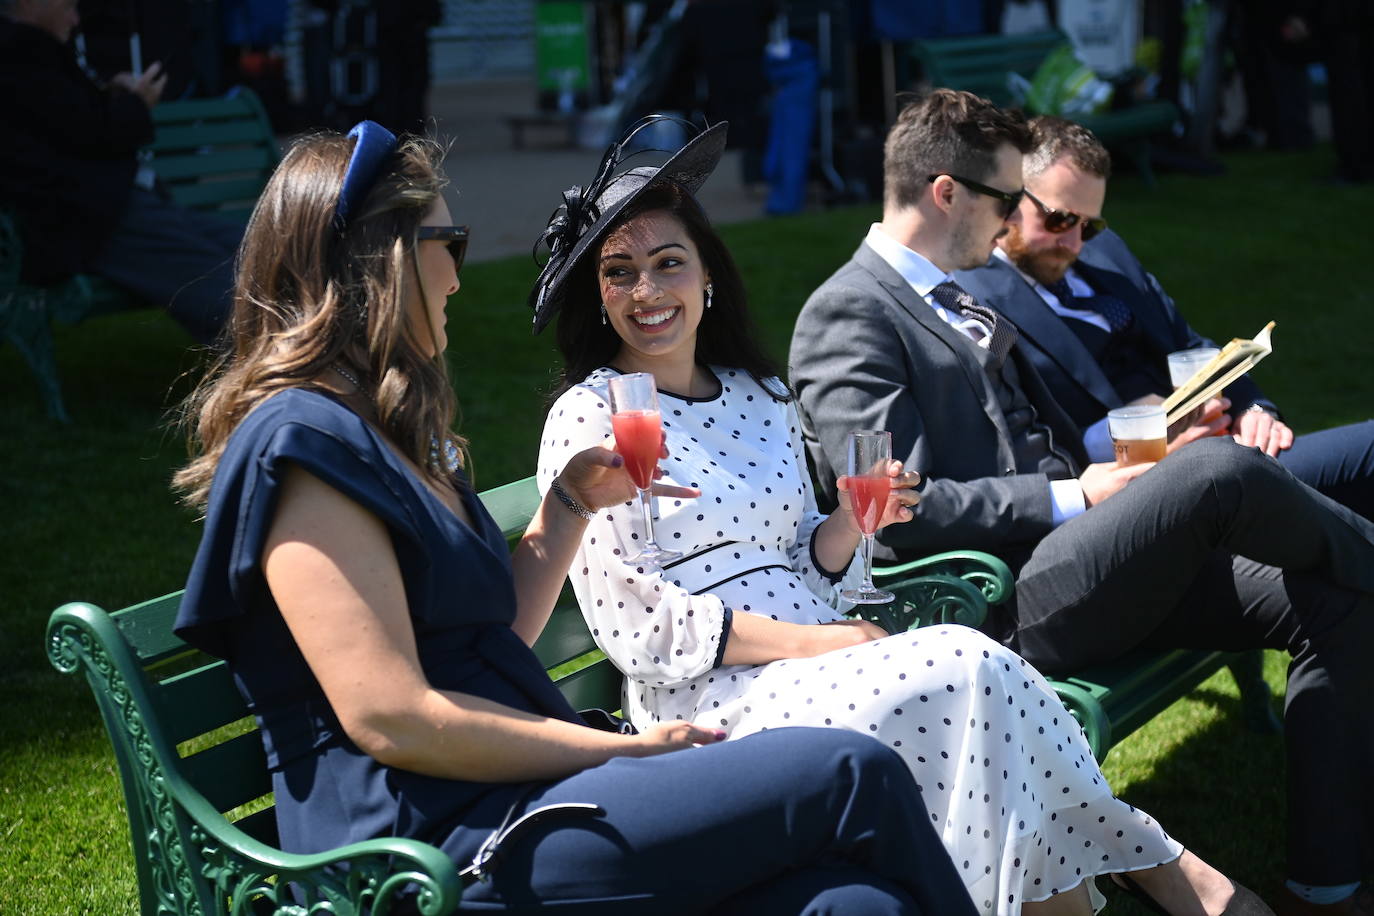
(507,194)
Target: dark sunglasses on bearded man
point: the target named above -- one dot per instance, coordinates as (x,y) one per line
(1061,221)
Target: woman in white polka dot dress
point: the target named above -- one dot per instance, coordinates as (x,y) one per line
(741,633)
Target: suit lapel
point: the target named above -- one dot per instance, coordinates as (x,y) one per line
(1011,295)
(1107,279)
(964,349)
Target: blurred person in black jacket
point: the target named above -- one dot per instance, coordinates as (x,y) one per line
(1344,33)
(69,168)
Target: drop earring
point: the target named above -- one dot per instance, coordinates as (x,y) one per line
(710,291)
(603,313)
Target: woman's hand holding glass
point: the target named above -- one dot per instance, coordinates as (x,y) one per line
(596,477)
(901,500)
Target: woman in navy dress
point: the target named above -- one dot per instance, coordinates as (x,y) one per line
(380,631)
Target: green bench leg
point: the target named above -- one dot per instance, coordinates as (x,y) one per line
(25,323)
(1255,701)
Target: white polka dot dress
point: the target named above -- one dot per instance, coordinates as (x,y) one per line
(1004,770)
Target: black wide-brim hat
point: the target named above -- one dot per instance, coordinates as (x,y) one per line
(584,217)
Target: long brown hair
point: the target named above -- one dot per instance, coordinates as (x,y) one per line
(308,295)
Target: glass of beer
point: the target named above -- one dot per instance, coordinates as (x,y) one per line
(1184,364)
(1139,433)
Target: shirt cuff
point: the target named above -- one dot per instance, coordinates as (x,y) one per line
(1097,442)
(1066,501)
(833,577)
(727,619)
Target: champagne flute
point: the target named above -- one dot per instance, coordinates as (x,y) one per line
(639,438)
(869,486)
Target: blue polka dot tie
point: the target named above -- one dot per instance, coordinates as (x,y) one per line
(1118,314)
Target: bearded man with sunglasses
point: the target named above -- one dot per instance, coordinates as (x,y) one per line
(1215,546)
(1098,327)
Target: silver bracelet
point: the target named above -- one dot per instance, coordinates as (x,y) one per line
(566,499)
(1256,408)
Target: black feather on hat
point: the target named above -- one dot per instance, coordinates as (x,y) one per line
(582,219)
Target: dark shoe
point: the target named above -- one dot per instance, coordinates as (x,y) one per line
(1360,903)
(1244,902)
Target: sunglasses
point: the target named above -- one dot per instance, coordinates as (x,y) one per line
(455,236)
(1010,199)
(1059,221)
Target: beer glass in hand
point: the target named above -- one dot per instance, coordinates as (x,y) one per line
(1138,433)
(639,439)
(869,486)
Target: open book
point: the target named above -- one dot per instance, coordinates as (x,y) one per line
(1234,360)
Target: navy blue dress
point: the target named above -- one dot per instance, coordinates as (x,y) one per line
(460,592)
(786,818)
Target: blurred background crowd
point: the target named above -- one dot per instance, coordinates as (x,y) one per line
(791,76)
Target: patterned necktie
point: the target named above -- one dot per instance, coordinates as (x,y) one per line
(1118,314)
(954,298)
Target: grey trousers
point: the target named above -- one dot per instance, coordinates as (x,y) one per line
(1221,547)
(179,259)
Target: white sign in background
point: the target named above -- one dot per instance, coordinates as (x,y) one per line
(1104,32)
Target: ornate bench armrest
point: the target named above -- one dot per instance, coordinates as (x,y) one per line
(928,599)
(362,878)
(985,572)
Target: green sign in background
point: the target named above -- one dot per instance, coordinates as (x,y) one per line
(561,46)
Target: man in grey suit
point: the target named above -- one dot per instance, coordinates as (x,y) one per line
(1215,546)
(1099,328)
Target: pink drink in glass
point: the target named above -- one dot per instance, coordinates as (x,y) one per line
(868,497)
(638,439)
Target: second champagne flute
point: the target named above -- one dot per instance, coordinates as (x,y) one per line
(639,439)
(869,486)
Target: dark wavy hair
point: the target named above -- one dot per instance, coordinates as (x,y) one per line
(948,131)
(726,336)
(308,296)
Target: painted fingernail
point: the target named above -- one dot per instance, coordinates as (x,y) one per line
(720,735)
(616,461)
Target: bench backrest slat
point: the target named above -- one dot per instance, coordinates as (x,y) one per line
(194,165)
(180,111)
(980,64)
(205,134)
(565,636)
(228,194)
(593,687)
(512,505)
(147,628)
(198,701)
(231,773)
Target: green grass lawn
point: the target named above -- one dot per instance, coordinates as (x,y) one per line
(87,512)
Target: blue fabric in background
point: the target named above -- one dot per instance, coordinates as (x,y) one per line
(253,22)
(787,159)
(903,20)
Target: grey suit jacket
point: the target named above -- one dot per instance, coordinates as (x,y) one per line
(1067,368)
(868,353)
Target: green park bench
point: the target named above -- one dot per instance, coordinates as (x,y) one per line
(195,778)
(210,154)
(194,774)
(980,64)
